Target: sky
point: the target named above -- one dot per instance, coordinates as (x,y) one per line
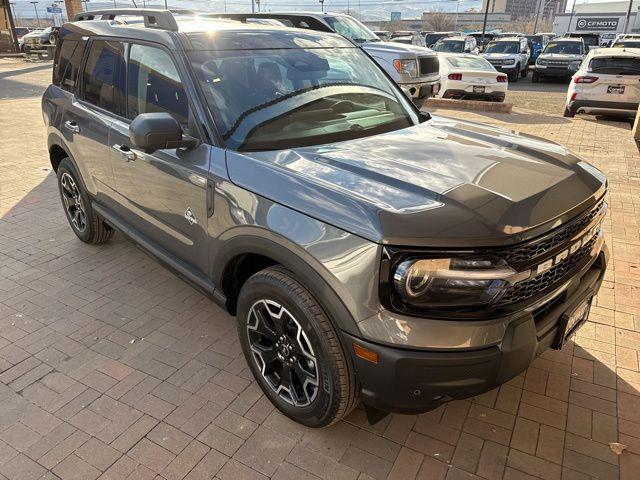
(370,9)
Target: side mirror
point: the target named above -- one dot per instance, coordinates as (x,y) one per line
(157,131)
(467,50)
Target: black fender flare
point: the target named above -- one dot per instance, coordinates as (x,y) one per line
(288,257)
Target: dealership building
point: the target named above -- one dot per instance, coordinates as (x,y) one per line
(601,17)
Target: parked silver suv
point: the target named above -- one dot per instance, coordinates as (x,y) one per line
(367,250)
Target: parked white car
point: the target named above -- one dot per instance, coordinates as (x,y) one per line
(465,44)
(608,81)
(467,76)
(509,55)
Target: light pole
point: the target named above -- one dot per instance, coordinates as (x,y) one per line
(321,5)
(626,22)
(573,9)
(86,7)
(13,8)
(484,22)
(35,8)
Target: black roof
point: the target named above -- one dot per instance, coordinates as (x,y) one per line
(191,32)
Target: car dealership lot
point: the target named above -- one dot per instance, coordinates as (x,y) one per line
(112,364)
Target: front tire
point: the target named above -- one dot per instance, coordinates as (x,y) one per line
(524,72)
(514,75)
(85,223)
(293,350)
(535,77)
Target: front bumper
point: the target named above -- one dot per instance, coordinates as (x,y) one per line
(413,381)
(505,68)
(417,90)
(555,71)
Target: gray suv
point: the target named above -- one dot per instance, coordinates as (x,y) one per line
(367,250)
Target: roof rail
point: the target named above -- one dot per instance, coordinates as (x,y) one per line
(153,18)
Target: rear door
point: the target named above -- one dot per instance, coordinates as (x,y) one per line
(618,79)
(86,120)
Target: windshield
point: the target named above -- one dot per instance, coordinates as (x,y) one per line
(274,99)
(432,38)
(564,48)
(470,63)
(406,40)
(535,39)
(503,47)
(456,46)
(615,66)
(627,44)
(591,40)
(351,28)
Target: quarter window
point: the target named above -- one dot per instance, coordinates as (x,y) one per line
(67,64)
(154,84)
(103,77)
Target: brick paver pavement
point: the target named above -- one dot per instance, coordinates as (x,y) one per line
(113,368)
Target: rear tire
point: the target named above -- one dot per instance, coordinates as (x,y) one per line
(293,350)
(85,223)
(568,113)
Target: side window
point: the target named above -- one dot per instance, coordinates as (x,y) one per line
(154,84)
(103,77)
(67,64)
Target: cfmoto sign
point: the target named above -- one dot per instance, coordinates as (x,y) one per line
(597,23)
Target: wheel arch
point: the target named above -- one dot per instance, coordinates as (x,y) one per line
(244,255)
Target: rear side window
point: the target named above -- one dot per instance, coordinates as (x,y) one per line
(103,77)
(616,66)
(154,84)
(67,64)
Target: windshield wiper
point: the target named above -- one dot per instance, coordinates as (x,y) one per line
(362,40)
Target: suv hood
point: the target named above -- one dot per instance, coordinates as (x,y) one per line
(398,48)
(499,55)
(444,182)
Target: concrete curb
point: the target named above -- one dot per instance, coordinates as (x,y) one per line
(476,105)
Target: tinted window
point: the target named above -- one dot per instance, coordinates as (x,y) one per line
(565,48)
(503,47)
(104,76)
(154,84)
(286,98)
(67,64)
(454,46)
(615,66)
(627,44)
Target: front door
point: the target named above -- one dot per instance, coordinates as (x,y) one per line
(163,194)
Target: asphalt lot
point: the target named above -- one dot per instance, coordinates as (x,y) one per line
(113,368)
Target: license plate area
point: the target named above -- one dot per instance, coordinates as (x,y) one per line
(478,89)
(571,321)
(615,89)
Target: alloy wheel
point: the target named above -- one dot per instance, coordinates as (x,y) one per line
(73,202)
(283,353)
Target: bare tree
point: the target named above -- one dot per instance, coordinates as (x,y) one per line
(440,21)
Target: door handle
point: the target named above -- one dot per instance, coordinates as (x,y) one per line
(128,154)
(72,126)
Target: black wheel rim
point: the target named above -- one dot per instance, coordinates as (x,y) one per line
(282,352)
(73,202)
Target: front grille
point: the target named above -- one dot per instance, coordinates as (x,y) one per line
(526,289)
(526,252)
(556,63)
(429,66)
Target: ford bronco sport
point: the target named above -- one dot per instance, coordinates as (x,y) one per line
(368,251)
